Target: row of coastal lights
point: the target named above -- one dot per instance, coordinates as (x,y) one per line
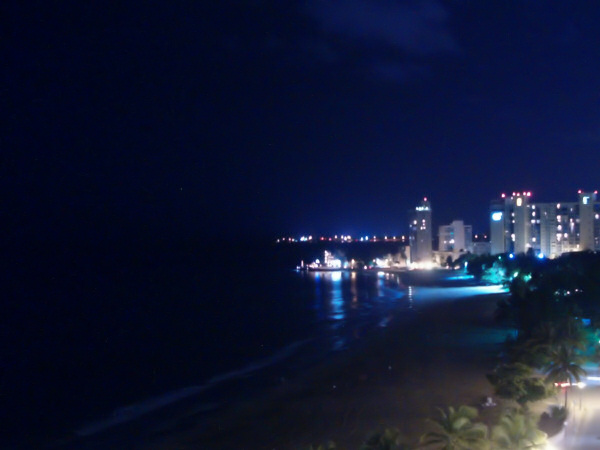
(528,193)
(518,194)
(341,238)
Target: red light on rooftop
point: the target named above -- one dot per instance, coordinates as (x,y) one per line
(503,195)
(579,191)
(424,199)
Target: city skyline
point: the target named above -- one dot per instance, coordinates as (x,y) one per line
(517,224)
(403,231)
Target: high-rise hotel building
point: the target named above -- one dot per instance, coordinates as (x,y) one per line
(517,224)
(456,238)
(420,237)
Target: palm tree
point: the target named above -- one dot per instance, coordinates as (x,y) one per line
(564,366)
(546,336)
(517,432)
(568,331)
(455,430)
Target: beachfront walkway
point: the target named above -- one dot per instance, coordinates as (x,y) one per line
(582,431)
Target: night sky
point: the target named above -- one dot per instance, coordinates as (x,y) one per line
(285,117)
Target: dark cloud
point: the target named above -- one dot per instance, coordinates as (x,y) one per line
(417,28)
(375,39)
(395,41)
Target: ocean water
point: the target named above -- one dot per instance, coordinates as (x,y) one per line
(94,337)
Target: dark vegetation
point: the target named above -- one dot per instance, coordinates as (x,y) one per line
(554,307)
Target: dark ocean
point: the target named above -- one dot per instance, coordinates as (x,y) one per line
(94,336)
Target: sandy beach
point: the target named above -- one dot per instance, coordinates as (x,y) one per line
(394,378)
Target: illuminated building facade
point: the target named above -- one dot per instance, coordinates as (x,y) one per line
(420,238)
(456,238)
(510,223)
(499,227)
(518,225)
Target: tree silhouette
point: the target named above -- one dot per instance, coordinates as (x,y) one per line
(535,351)
(564,366)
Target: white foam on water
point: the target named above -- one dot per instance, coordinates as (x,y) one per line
(128,413)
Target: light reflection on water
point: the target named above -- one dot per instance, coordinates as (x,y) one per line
(348,303)
(337,300)
(380,276)
(353,290)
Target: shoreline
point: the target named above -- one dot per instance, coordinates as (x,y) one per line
(393,378)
